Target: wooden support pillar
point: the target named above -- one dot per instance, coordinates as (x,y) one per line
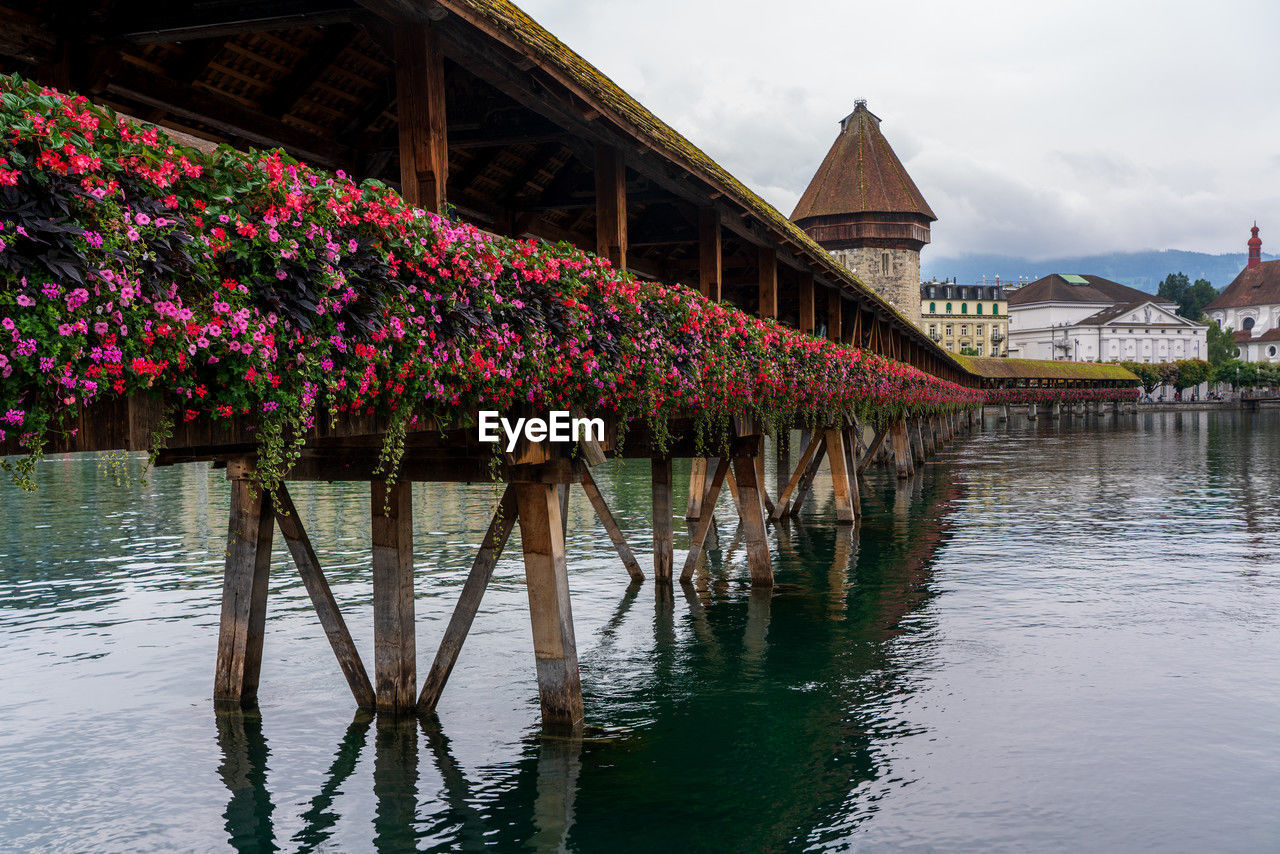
(335,628)
(768,277)
(805,484)
(902,449)
(1004,412)
(751,510)
(663,526)
(611,526)
(876,444)
(721,468)
(547,580)
(710,269)
(395,665)
(851,449)
(837,458)
(244,589)
(420,105)
(926,435)
(835,304)
(464,613)
(611,206)
(697,488)
(917,441)
(783,506)
(805,293)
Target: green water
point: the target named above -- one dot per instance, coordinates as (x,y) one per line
(1057,637)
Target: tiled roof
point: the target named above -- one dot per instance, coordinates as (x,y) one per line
(1056,288)
(861,174)
(1118,310)
(1259,285)
(1246,337)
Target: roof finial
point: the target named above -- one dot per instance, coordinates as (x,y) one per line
(1255,248)
(860,102)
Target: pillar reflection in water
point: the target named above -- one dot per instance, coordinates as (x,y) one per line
(244,772)
(395,781)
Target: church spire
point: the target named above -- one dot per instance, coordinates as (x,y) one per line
(1255,248)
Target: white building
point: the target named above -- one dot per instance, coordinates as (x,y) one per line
(1250,306)
(1092,319)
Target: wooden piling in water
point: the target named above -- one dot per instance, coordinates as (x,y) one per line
(547,580)
(752,512)
(697,488)
(663,524)
(842,489)
(395,664)
(611,526)
(244,589)
(901,449)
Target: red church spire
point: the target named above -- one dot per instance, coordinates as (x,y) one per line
(1255,249)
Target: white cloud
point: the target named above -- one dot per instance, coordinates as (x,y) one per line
(1037,129)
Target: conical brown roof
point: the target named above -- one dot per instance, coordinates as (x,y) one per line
(861,174)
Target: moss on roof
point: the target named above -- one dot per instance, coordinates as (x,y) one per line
(994,368)
(504,19)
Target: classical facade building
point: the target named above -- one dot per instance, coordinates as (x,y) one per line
(1092,319)
(1250,306)
(970,319)
(863,207)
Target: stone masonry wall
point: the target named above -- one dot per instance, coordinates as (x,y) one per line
(900,285)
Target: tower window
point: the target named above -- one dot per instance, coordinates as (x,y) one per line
(884,263)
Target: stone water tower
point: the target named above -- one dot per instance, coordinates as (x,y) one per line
(863,207)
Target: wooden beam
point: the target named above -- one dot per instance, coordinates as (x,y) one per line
(835,303)
(838,460)
(810,472)
(420,103)
(768,306)
(394,646)
(783,506)
(290,15)
(663,525)
(464,613)
(871,451)
(305,73)
(547,582)
(710,266)
(611,206)
(244,589)
(705,522)
(611,527)
(697,488)
(335,628)
(751,510)
(805,292)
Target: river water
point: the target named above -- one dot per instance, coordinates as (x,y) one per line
(1057,638)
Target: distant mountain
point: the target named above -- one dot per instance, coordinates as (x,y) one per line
(1142,270)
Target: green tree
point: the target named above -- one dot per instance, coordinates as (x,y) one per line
(1174,287)
(1269,374)
(1192,372)
(1248,375)
(1197,297)
(1222,346)
(1146,374)
(1226,372)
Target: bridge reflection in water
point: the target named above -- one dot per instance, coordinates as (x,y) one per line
(762,711)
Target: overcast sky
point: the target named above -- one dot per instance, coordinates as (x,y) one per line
(1032,128)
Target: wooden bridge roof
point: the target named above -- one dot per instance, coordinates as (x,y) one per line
(989,367)
(525,119)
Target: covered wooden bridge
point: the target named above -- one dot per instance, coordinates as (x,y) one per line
(1051,384)
(471,108)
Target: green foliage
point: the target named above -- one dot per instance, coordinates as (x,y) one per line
(1192,372)
(1222,346)
(1147,374)
(1191,298)
(969,351)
